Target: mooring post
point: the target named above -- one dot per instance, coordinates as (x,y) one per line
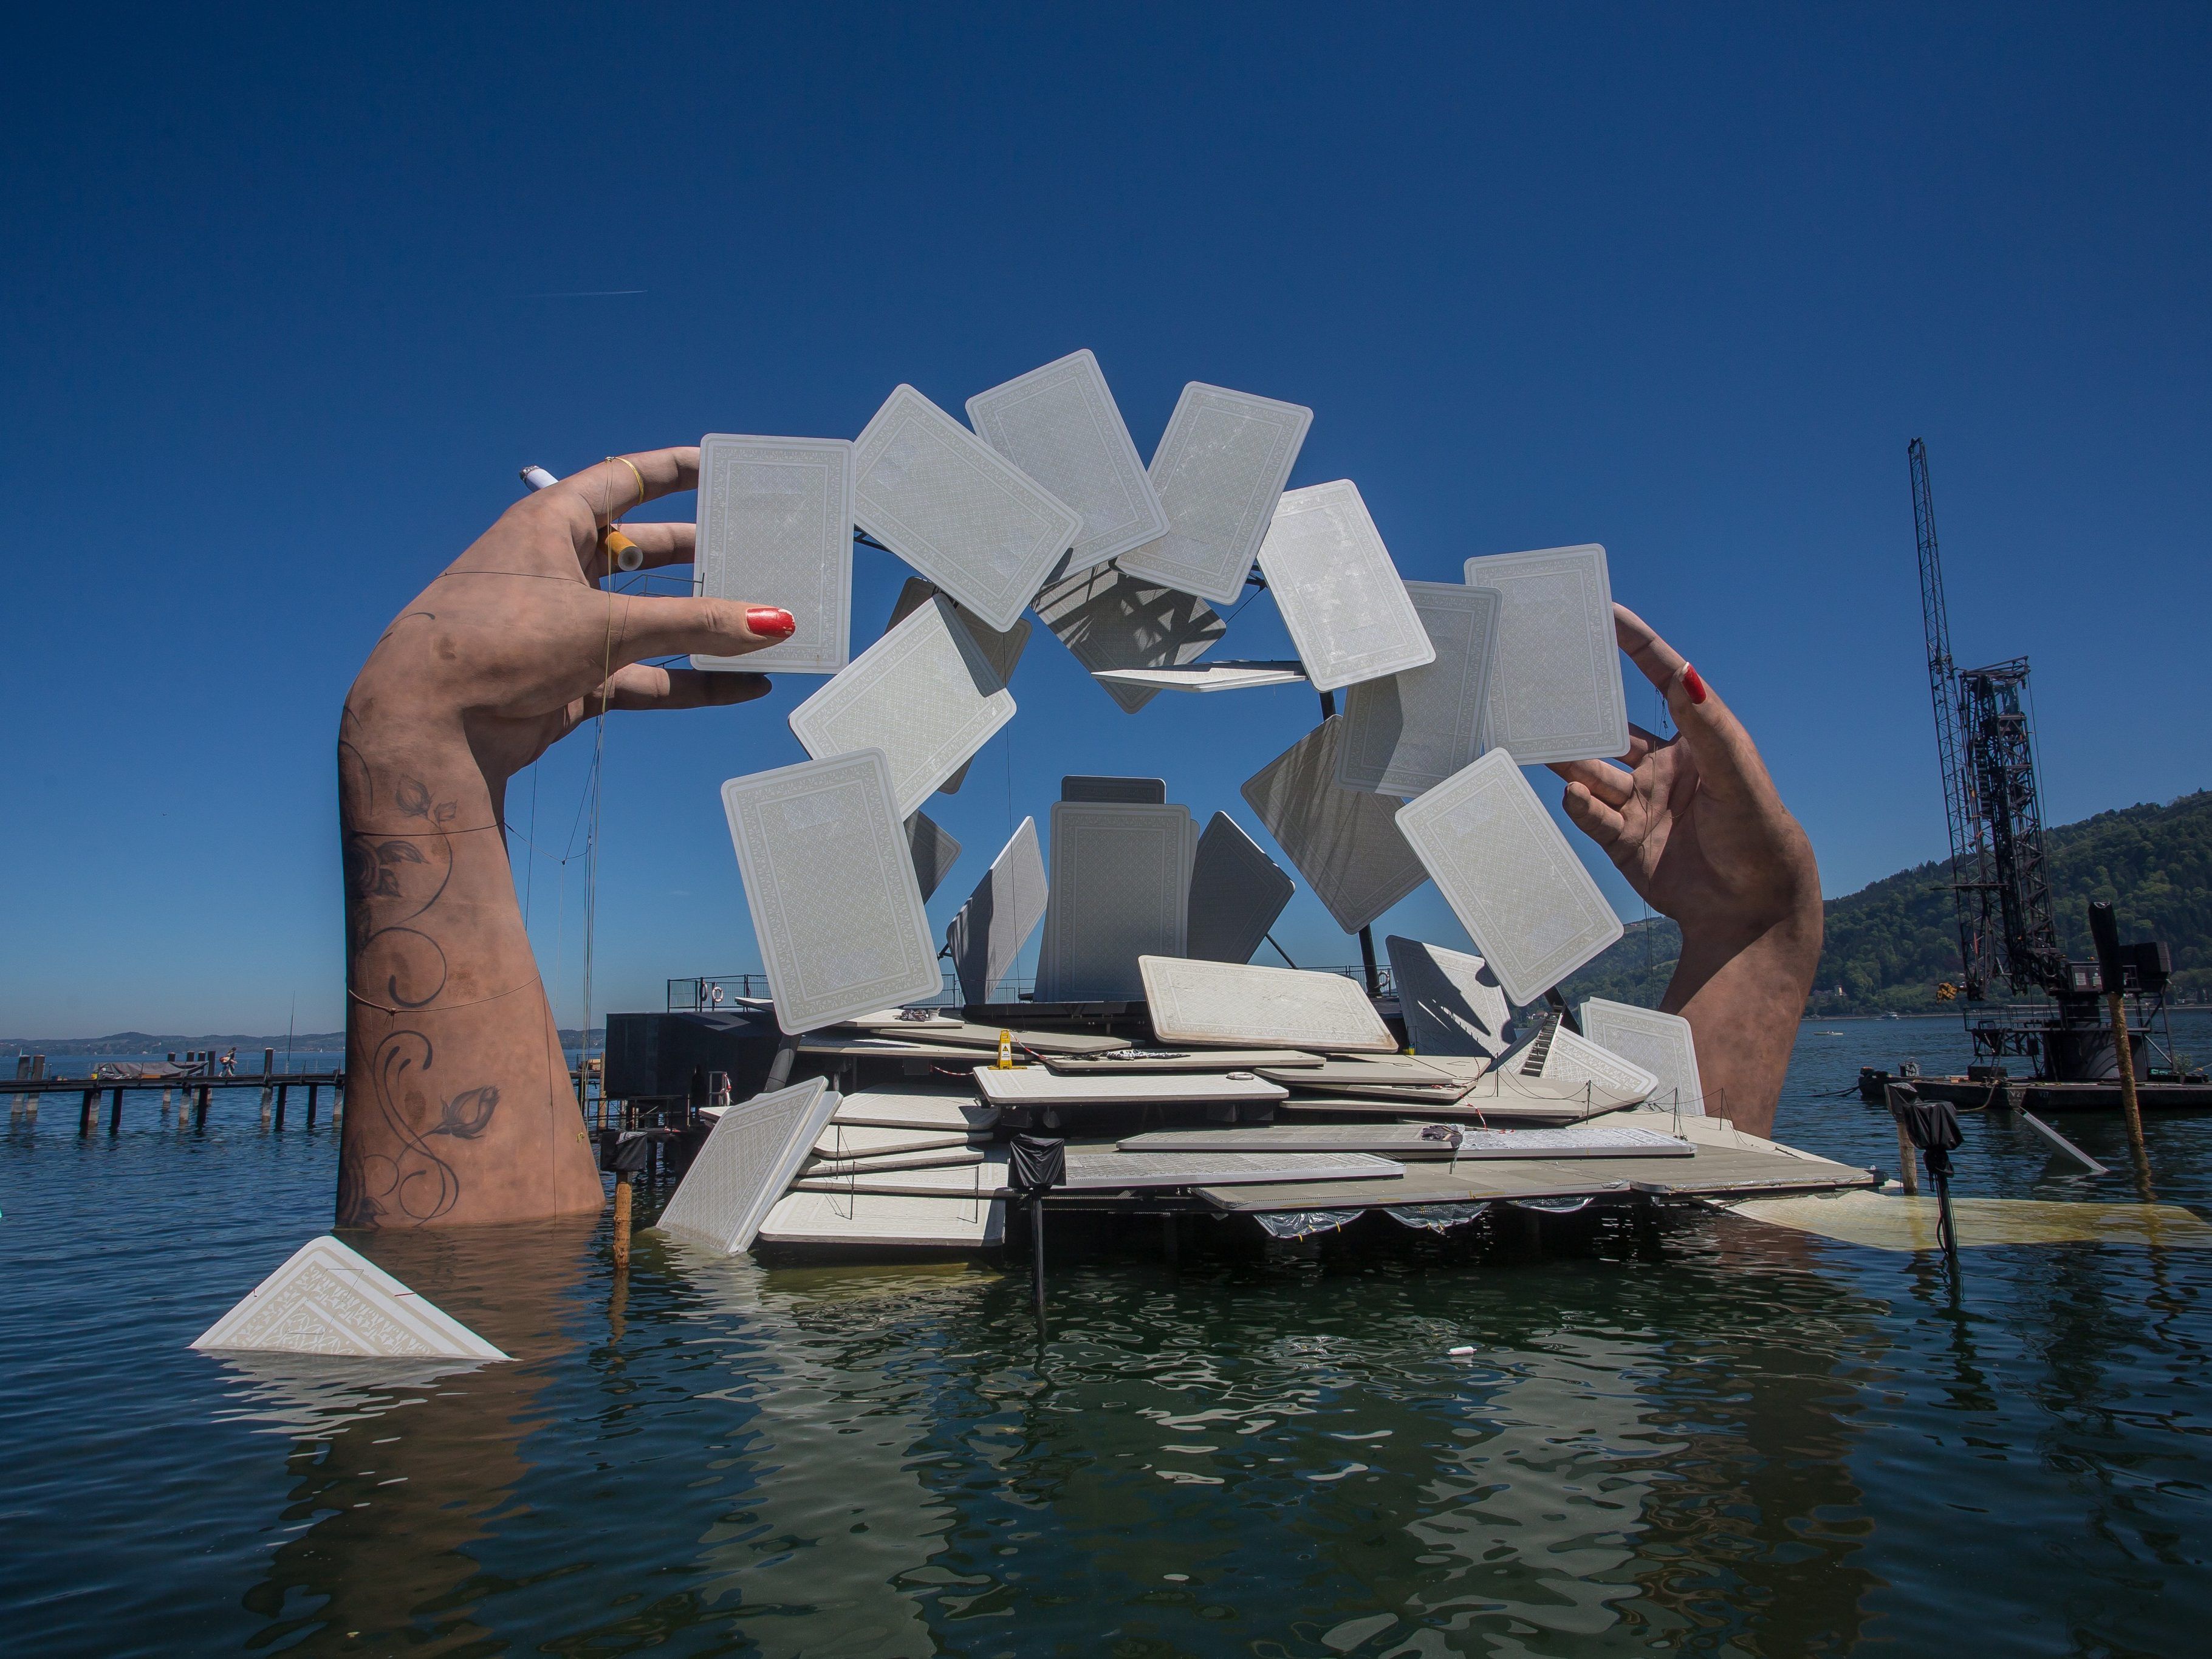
(166,1094)
(1906,1172)
(84,1112)
(280,1106)
(2104,932)
(1037,1258)
(621,1220)
(115,1111)
(338,1099)
(266,1094)
(199,1108)
(311,1103)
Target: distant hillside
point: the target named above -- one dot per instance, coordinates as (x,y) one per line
(1890,945)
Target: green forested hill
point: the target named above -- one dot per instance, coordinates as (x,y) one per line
(1890,943)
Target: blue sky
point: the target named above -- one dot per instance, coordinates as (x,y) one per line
(276,334)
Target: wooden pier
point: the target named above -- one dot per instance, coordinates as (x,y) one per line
(25,1094)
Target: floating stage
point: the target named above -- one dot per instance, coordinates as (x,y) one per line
(912,1130)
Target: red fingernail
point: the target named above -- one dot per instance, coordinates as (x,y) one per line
(771,623)
(1693,682)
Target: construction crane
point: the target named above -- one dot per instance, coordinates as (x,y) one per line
(2000,882)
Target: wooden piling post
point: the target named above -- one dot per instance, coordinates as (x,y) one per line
(268,1063)
(266,1092)
(311,1102)
(115,1111)
(1905,1171)
(621,1220)
(2104,932)
(199,1108)
(280,1105)
(167,1099)
(84,1112)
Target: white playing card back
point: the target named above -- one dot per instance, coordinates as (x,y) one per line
(775,528)
(748,1160)
(1237,1004)
(1662,1044)
(1555,690)
(1001,648)
(831,884)
(1340,595)
(935,852)
(989,933)
(924,694)
(1408,731)
(956,509)
(1451,1002)
(1236,891)
(1120,878)
(1220,467)
(1345,843)
(1060,425)
(1509,876)
(1207,677)
(1108,619)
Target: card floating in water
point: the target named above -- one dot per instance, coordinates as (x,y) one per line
(956,509)
(1885,1221)
(749,1159)
(1340,596)
(831,884)
(1061,426)
(1510,877)
(1555,692)
(330,1299)
(775,526)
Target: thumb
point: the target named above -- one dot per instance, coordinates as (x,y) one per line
(671,627)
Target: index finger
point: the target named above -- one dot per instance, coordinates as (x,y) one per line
(1659,660)
(1728,760)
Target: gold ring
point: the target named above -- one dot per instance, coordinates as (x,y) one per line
(633,473)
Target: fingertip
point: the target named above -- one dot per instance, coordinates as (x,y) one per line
(770,623)
(1693,682)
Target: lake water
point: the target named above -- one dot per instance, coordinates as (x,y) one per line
(1743,1442)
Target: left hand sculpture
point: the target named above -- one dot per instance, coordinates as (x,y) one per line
(459,1104)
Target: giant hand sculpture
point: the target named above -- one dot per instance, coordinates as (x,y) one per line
(1695,824)
(459,1106)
